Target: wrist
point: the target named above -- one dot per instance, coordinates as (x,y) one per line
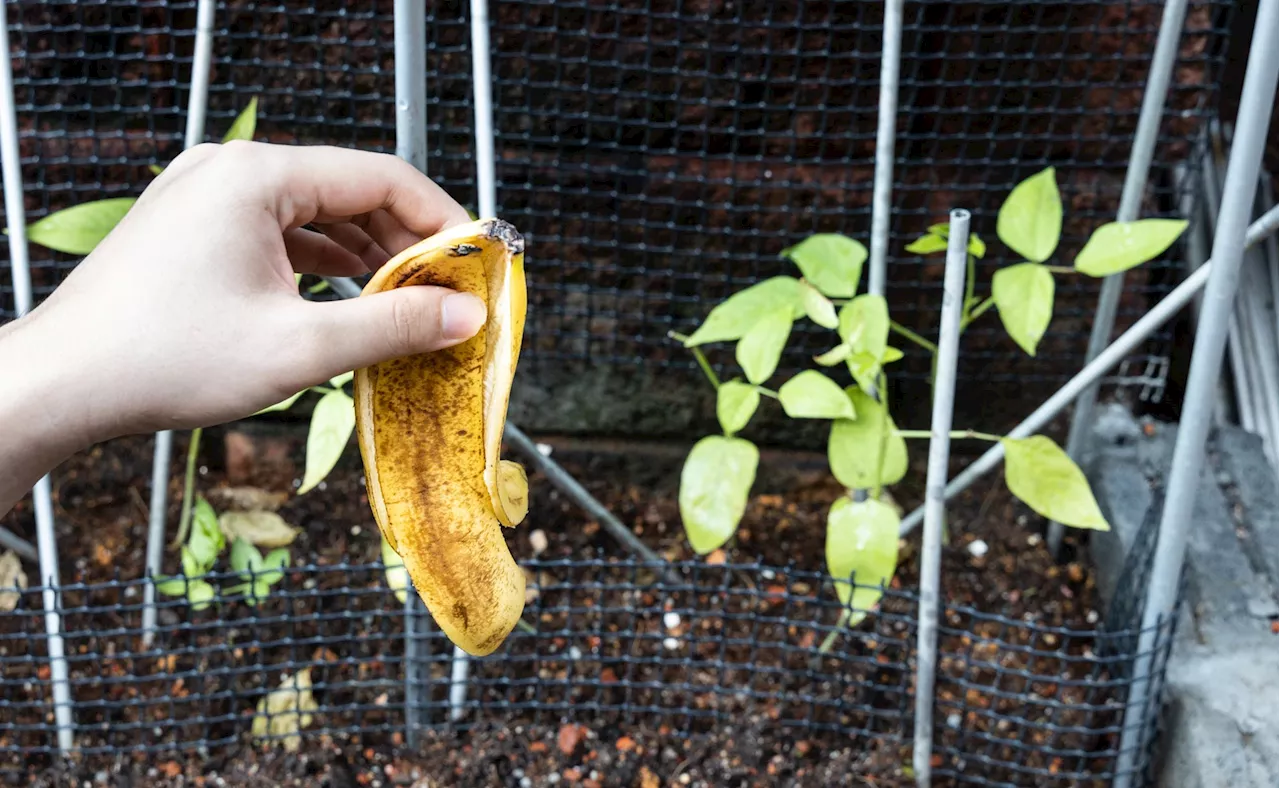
(44,413)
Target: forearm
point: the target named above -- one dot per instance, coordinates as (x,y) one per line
(41,424)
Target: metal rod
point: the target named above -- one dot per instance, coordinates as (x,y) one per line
(410,26)
(1169,306)
(1135,185)
(41,494)
(197,111)
(886,133)
(944,390)
(11,541)
(1257,102)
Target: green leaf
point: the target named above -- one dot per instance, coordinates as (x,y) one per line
(1043,477)
(818,307)
(813,395)
(854,445)
(736,403)
(1119,246)
(172,586)
(80,228)
(244,556)
(273,565)
(891,354)
(319,287)
(1024,295)
(928,244)
(865,369)
(238,588)
(835,355)
(862,546)
(206,540)
(200,594)
(245,123)
(1030,221)
(864,325)
(156,169)
(830,262)
(977,247)
(191,566)
(397,575)
(714,483)
(736,316)
(339,381)
(332,423)
(283,405)
(760,348)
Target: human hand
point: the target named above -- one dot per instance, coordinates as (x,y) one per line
(188,313)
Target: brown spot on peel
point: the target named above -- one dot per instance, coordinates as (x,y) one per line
(429,428)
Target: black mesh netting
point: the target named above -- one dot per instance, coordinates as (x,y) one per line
(658,154)
(613,647)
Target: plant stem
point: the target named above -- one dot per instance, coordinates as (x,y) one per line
(882,389)
(1060,269)
(971,279)
(830,639)
(700,357)
(902,330)
(767,392)
(978,312)
(188,489)
(955,434)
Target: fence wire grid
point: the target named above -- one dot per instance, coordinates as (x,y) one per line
(611,645)
(658,155)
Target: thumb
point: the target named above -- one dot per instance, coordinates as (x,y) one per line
(358,332)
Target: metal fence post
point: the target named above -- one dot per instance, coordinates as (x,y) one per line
(935,500)
(1257,101)
(410,24)
(197,111)
(1135,184)
(1170,305)
(41,494)
(886,132)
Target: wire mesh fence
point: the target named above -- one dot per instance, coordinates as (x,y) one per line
(657,155)
(613,646)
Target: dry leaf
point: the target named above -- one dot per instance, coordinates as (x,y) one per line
(11,577)
(648,779)
(263,529)
(286,710)
(246,499)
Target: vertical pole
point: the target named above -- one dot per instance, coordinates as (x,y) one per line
(1257,101)
(886,132)
(1135,185)
(935,495)
(486,207)
(42,497)
(197,111)
(410,24)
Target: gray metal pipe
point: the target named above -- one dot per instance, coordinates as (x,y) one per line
(886,134)
(935,512)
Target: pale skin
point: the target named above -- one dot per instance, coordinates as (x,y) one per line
(188,315)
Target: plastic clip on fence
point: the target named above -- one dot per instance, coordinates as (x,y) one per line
(1257,102)
(197,110)
(410,26)
(935,496)
(42,496)
(1135,184)
(1147,325)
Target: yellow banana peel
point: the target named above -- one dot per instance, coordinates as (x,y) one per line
(430,432)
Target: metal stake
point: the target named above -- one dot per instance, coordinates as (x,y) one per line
(1257,101)
(411,145)
(1135,184)
(935,496)
(197,110)
(41,494)
(886,132)
(1169,306)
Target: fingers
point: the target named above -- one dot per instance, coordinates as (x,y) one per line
(358,332)
(389,233)
(328,185)
(358,242)
(312,253)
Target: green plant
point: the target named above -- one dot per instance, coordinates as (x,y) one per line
(866,450)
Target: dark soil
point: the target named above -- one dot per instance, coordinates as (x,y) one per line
(999,693)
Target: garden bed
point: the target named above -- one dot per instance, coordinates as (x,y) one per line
(610,688)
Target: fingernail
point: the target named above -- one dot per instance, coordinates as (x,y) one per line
(461,316)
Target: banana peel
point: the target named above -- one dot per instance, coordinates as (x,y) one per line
(430,433)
